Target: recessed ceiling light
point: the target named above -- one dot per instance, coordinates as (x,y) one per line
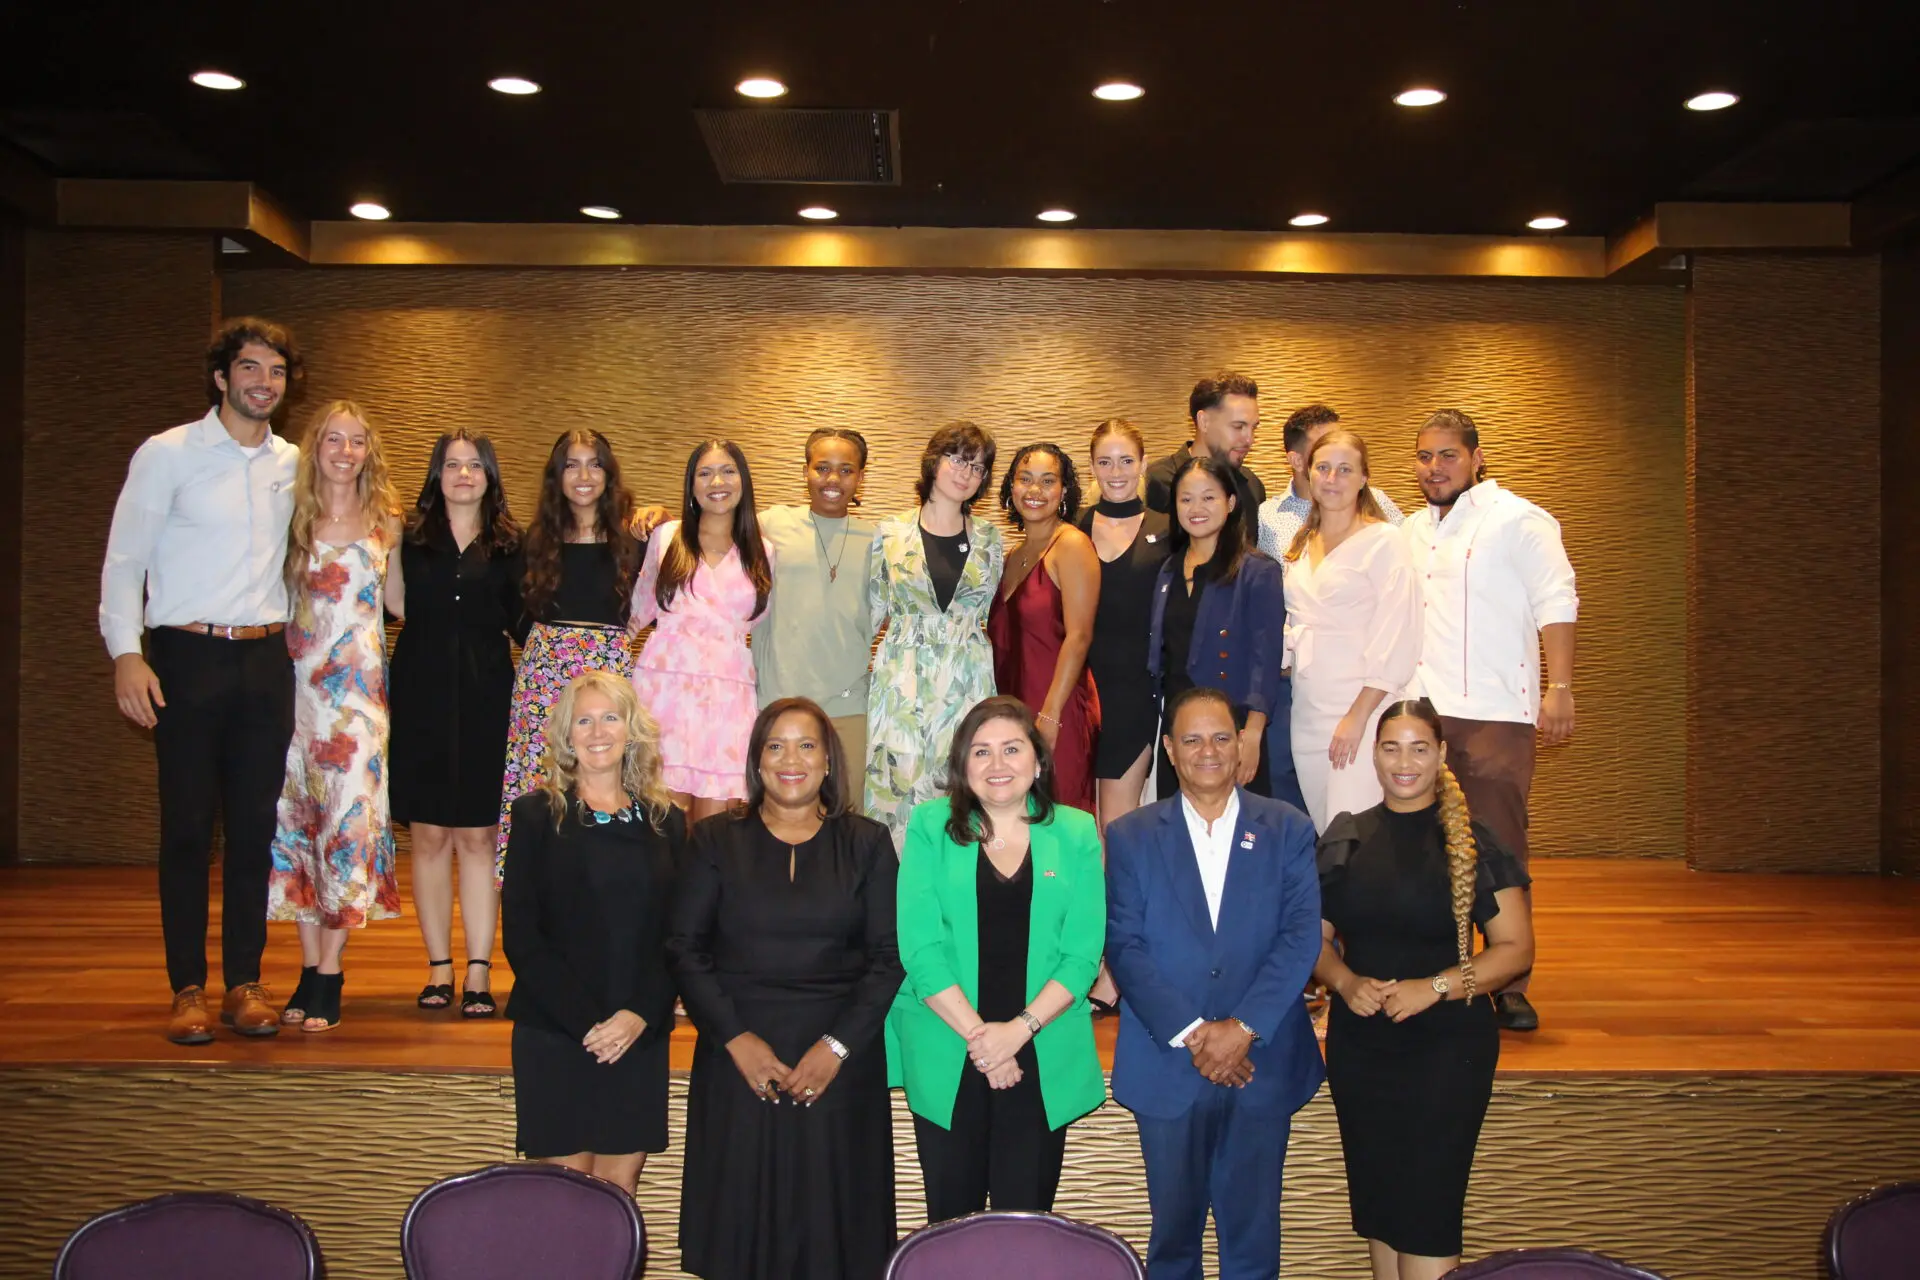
(599,211)
(515,85)
(1057,215)
(1718,100)
(760,87)
(370,211)
(1119,91)
(217,80)
(819,212)
(1421,97)
(1308,220)
(1547,222)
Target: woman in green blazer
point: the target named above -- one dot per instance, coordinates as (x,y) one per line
(1002,921)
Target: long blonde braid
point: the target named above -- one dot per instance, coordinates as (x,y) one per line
(1462,866)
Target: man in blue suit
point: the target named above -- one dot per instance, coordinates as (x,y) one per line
(1213,925)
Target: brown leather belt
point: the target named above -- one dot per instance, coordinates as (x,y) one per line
(220,632)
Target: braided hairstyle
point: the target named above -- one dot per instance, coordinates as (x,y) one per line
(1463,855)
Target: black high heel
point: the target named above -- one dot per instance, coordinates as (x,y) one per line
(478,1004)
(436,995)
(324,1007)
(296,1010)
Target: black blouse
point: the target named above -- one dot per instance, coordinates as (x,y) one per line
(584,918)
(1005,905)
(460,601)
(946,561)
(586,592)
(1176,629)
(1123,618)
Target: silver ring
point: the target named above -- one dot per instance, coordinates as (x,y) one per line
(809,1093)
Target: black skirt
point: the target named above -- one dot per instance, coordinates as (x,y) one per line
(566,1101)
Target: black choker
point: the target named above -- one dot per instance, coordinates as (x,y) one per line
(1120,510)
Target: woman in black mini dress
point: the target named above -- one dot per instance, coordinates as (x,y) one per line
(1410,1049)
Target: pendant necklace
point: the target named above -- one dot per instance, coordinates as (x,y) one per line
(833,564)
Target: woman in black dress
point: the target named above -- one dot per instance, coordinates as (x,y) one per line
(1132,544)
(449,688)
(1410,1051)
(589,877)
(783,943)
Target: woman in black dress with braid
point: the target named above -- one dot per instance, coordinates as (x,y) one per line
(1410,1050)
(783,944)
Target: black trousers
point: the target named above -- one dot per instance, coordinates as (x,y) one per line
(222,745)
(998,1149)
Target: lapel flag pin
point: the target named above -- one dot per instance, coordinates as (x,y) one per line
(1046,873)
(1246,840)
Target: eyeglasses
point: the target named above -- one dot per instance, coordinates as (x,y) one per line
(967,466)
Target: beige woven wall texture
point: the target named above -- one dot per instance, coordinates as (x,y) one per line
(1579,389)
(1696,1178)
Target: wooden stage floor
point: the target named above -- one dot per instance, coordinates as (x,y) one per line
(1646,968)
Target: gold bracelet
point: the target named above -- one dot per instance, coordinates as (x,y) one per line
(1041,715)
(1562,684)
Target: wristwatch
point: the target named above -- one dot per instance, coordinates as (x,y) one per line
(1251,1033)
(1033,1023)
(1442,984)
(835,1047)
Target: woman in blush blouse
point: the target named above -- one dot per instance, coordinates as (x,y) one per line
(1353,629)
(704,584)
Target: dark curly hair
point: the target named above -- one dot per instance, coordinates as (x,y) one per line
(237,333)
(1070,493)
(553,517)
(966,440)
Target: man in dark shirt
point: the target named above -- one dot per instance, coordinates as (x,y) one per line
(1225,411)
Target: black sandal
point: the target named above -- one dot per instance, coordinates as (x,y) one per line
(324,1006)
(435,995)
(478,1004)
(296,1009)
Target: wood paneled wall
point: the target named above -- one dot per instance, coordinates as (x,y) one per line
(1579,388)
(1783,564)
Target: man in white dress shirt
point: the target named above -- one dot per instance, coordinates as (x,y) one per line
(1281,517)
(194,562)
(1498,588)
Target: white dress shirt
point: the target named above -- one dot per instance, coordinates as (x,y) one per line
(1213,849)
(199,534)
(1281,518)
(1492,573)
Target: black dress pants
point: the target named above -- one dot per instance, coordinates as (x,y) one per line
(999,1148)
(222,742)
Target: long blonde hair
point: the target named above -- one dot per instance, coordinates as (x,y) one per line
(377,501)
(639,767)
(1368,505)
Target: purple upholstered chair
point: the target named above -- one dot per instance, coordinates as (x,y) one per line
(191,1235)
(1876,1236)
(1550,1264)
(1025,1244)
(511,1221)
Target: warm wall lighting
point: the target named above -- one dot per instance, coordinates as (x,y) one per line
(1420,97)
(1547,222)
(1308,220)
(819,213)
(514,85)
(1057,215)
(1119,91)
(370,211)
(217,80)
(606,211)
(760,87)
(1718,100)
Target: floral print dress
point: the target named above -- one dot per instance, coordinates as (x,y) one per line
(932,666)
(332,843)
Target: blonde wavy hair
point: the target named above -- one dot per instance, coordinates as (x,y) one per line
(640,768)
(1463,855)
(1368,505)
(378,503)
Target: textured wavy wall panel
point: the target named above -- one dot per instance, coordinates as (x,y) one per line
(1783,579)
(1900,567)
(1699,1179)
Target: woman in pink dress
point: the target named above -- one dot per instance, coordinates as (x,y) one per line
(704,585)
(1041,622)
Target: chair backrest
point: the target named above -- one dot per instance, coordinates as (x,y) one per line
(1550,1264)
(191,1235)
(511,1221)
(1024,1244)
(1876,1236)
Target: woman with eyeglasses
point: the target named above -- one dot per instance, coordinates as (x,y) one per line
(935,571)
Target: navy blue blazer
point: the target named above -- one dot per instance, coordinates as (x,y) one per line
(1239,647)
(1173,966)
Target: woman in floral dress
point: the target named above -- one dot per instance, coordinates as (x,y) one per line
(333,845)
(935,571)
(705,583)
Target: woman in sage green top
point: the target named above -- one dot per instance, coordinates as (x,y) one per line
(1002,918)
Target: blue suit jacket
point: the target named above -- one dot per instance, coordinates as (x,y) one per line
(1173,966)
(1239,647)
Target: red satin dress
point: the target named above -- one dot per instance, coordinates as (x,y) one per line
(1026,632)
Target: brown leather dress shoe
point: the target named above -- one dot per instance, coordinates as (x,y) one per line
(189,1023)
(248,1011)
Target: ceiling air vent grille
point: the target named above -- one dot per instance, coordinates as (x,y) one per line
(795,144)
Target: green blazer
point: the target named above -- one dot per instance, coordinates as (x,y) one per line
(939,933)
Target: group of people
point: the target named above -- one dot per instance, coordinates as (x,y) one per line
(999,739)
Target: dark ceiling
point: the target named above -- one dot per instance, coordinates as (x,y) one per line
(1254,111)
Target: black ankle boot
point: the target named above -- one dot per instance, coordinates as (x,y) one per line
(324,1006)
(296,1010)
